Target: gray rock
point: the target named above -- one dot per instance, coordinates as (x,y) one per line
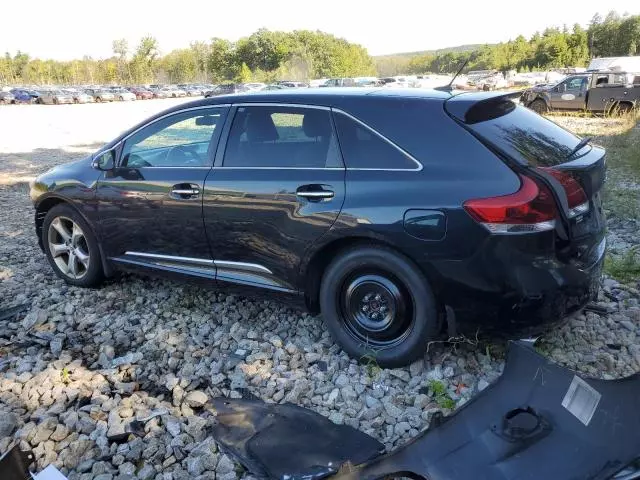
(195,465)
(147,472)
(69,308)
(401,374)
(435,373)
(482,384)
(8,424)
(401,428)
(56,346)
(448,372)
(173,426)
(371,402)
(129,358)
(337,417)
(225,465)
(196,399)
(127,468)
(342,381)
(60,433)
(103,476)
(628,325)
(416,368)
(35,317)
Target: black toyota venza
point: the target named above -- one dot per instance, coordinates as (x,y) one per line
(397,214)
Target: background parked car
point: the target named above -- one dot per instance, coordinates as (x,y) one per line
(79,96)
(7,97)
(174,92)
(100,94)
(54,97)
(255,86)
(24,95)
(122,94)
(226,89)
(158,92)
(141,93)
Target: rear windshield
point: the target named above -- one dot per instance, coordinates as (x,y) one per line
(527,137)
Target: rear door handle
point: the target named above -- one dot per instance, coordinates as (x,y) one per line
(314,193)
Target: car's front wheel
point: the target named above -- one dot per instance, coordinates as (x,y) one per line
(539,106)
(378,305)
(71,247)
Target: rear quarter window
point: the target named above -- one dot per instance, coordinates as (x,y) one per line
(362,148)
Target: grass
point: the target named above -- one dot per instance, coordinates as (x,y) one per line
(625,267)
(439,392)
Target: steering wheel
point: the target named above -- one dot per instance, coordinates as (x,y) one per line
(184,154)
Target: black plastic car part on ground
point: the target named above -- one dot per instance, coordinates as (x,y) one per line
(381,209)
(537,421)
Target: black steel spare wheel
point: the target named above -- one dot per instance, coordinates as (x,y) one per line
(378,304)
(376,308)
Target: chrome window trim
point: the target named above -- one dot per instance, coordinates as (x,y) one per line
(275,104)
(280,168)
(384,139)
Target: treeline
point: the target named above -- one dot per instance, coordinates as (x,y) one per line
(614,35)
(301,55)
(262,56)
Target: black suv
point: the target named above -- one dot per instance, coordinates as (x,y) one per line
(397,214)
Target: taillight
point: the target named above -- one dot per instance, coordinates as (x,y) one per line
(576,198)
(530,209)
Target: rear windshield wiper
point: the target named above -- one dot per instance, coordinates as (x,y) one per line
(581,144)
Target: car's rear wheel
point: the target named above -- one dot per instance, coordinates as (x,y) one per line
(121,99)
(377,304)
(71,247)
(539,106)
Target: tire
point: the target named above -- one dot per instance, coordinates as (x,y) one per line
(55,101)
(75,100)
(121,99)
(78,261)
(619,109)
(98,100)
(539,106)
(361,285)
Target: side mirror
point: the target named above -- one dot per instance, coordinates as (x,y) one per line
(105,161)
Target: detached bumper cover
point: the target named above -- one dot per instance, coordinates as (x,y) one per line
(538,421)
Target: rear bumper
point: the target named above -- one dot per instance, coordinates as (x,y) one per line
(524,297)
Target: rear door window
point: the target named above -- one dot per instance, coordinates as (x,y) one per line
(281,136)
(524,135)
(363,148)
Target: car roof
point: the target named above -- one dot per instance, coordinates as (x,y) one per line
(332,97)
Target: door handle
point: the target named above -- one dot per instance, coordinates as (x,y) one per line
(185,190)
(314,193)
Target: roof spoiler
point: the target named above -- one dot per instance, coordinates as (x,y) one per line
(474,107)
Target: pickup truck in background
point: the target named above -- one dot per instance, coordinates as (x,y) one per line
(598,92)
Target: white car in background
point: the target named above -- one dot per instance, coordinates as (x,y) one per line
(254,86)
(122,94)
(79,96)
(173,92)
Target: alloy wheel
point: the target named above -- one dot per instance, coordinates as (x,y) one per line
(68,247)
(376,308)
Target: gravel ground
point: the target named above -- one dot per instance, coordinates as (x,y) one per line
(110,383)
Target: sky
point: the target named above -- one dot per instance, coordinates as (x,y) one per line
(66,29)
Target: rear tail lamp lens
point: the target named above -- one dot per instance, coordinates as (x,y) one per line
(530,209)
(576,197)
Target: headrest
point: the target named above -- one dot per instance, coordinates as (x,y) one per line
(316,124)
(260,127)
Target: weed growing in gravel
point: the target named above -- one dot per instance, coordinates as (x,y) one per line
(371,365)
(625,267)
(439,392)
